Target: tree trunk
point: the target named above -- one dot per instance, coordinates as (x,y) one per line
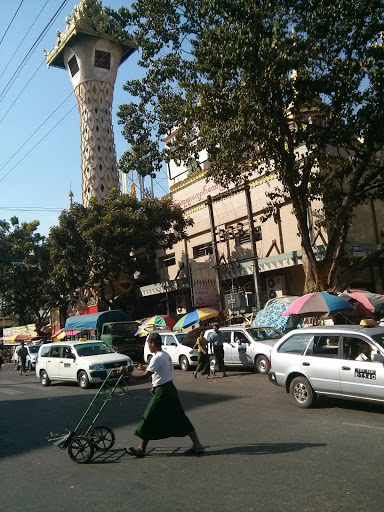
(316,276)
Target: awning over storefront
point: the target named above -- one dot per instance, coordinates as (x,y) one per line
(94,321)
(164,287)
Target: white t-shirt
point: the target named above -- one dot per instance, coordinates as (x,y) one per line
(162,368)
(362,357)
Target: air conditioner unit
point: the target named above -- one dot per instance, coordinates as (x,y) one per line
(276,286)
(180,305)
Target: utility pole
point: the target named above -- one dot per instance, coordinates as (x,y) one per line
(215,253)
(256,277)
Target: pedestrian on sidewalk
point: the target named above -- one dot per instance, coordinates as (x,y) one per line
(202,356)
(164,416)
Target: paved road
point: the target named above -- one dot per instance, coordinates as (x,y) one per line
(262,452)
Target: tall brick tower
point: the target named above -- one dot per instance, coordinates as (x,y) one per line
(92,53)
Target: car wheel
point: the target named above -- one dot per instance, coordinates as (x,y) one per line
(103,438)
(302,393)
(16,366)
(184,363)
(262,364)
(29,366)
(83,379)
(44,379)
(212,364)
(81,449)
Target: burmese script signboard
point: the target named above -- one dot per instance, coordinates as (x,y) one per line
(204,289)
(196,193)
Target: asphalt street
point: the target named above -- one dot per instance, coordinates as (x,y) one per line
(262,451)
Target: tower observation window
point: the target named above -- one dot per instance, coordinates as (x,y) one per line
(102,59)
(73,65)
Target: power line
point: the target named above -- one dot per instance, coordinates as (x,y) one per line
(10,23)
(30,28)
(37,143)
(21,92)
(30,51)
(30,209)
(37,129)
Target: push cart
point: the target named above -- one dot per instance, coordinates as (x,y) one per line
(87,438)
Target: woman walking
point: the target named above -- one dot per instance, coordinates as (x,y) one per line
(202,356)
(164,416)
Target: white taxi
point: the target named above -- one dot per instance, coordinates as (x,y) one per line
(85,362)
(344,361)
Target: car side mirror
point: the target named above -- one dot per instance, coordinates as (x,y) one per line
(378,357)
(71,356)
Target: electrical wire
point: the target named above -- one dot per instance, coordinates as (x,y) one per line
(30,209)
(11,81)
(22,90)
(37,143)
(37,129)
(28,31)
(10,23)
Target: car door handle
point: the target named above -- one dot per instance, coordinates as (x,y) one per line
(345,368)
(306,364)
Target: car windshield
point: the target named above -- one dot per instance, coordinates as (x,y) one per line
(93,349)
(264,333)
(33,350)
(124,328)
(181,338)
(379,338)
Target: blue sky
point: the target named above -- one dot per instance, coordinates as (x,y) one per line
(36,174)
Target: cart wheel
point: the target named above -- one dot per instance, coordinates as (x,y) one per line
(103,438)
(81,449)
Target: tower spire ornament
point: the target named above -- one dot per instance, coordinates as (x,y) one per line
(91,48)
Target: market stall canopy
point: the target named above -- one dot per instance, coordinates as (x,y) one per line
(272,316)
(165,320)
(365,302)
(94,321)
(195,317)
(18,337)
(318,304)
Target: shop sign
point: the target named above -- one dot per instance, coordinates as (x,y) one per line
(204,288)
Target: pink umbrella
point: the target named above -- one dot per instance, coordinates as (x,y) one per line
(366,302)
(317,304)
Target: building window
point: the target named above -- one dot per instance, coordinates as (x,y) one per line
(167,261)
(203,250)
(73,65)
(102,59)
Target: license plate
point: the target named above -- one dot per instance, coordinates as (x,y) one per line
(365,374)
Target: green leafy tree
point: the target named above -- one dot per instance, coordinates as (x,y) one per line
(24,273)
(91,247)
(290,89)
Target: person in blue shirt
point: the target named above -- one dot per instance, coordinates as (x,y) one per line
(216,343)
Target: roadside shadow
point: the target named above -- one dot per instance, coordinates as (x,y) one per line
(115,456)
(325,402)
(261,448)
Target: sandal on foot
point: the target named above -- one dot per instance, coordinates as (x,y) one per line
(194,451)
(135,453)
